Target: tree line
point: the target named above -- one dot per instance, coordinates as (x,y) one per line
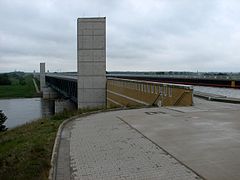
(5,79)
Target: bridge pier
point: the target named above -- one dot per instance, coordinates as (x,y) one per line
(91,56)
(63,104)
(49,93)
(42,76)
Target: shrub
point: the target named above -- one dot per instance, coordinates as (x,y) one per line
(4,79)
(3,118)
(22,81)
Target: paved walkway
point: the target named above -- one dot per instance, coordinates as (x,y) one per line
(128,144)
(102,146)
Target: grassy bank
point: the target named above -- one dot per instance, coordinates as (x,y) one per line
(20,87)
(25,152)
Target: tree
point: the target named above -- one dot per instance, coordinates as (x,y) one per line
(22,81)
(3,118)
(4,79)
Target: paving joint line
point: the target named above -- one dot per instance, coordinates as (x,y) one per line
(55,150)
(161,148)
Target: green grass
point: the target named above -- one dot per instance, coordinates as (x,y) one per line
(16,90)
(37,82)
(25,151)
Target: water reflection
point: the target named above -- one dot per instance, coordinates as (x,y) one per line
(20,111)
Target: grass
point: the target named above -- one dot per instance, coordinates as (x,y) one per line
(16,90)
(25,151)
(37,82)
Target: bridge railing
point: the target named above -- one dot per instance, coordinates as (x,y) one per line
(63,85)
(125,92)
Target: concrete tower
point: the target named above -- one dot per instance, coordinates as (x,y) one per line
(91,55)
(42,76)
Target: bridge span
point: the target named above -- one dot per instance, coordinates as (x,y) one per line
(65,85)
(126,92)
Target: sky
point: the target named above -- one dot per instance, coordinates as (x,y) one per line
(152,35)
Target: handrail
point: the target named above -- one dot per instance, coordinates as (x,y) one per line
(154,83)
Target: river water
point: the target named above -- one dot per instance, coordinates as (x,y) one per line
(22,110)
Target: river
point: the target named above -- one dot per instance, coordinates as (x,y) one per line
(23,110)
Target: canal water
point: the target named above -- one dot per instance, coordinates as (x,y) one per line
(229,92)
(23,110)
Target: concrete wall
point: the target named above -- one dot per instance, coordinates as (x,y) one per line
(63,104)
(42,77)
(91,55)
(123,92)
(49,93)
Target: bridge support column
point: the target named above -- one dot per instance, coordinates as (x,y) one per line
(91,55)
(63,104)
(49,93)
(42,77)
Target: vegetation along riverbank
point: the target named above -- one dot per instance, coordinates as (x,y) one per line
(25,151)
(17,85)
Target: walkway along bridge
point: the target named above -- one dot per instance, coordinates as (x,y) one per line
(91,87)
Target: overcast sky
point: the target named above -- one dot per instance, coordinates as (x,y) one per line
(152,35)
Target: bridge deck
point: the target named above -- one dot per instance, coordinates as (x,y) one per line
(66,85)
(70,77)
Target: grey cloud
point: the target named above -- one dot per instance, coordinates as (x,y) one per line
(153,35)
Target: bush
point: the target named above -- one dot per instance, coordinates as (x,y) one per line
(22,81)
(4,79)
(3,118)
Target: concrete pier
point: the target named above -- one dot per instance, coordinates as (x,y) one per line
(42,76)
(49,93)
(91,55)
(63,104)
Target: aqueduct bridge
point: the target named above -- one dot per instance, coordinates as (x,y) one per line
(90,87)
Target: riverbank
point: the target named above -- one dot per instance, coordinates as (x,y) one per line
(21,87)
(25,151)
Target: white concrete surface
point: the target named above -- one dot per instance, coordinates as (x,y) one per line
(63,104)
(49,93)
(42,76)
(119,144)
(102,146)
(91,53)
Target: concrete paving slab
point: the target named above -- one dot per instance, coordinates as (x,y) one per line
(102,146)
(154,143)
(208,141)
